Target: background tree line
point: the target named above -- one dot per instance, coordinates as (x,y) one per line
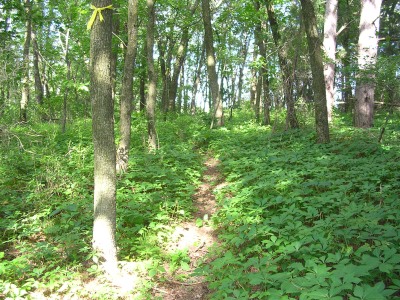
(260,51)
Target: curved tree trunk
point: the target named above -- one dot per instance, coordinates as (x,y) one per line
(367,55)
(104,225)
(127,88)
(152,88)
(217,114)
(317,68)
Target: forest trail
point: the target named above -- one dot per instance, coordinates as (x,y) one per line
(197,240)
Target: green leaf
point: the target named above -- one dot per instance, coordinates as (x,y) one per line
(199,222)
(185,266)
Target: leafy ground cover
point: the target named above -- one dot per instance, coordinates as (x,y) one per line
(46,185)
(307,221)
(297,220)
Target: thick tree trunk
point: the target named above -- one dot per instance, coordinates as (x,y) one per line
(127,88)
(287,79)
(115,49)
(330,25)
(217,113)
(152,76)
(25,63)
(104,225)
(367,55)
(317,68)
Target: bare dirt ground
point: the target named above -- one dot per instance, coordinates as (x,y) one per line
(196,239)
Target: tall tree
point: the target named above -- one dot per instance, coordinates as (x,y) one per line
(217,113)
(287,77)
(180,58)
(330,24)
(39,92)
(25,64)
(258,35)
(104,225)
(317,68)
(127,87)
(152,76)
(66,83)
(367,55)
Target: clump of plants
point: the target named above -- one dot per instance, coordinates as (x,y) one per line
(306,221)
(46,195)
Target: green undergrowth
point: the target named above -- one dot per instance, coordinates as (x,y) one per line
(46,200)
(305,221)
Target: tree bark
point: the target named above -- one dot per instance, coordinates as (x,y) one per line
(104,225)
(66,85)
(330,24)
(367,55)
(317,68)
(127,88)
(243,52)
(258,34)
(115,50)
(253,82)
(347,89)
(38,82)
(284,64)
(25,64)
(152,76)
(217,114)
(180,58)
(196,81)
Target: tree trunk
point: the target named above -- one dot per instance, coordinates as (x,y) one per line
(217,113)
(25,64)
(287,79)
(253,82)
(264,69)
(244,50)
(347,90)
(104,225)
(38,82)
(330,25)
(152,76)
(196,81)
(367,55)
(115,49)
(165,64)
(66,85)
(127,88)
(317,68)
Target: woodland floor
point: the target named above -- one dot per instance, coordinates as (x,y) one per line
(197,240)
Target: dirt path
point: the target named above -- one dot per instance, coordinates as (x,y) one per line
(196,239)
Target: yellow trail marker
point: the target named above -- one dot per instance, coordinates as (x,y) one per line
(96,10)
